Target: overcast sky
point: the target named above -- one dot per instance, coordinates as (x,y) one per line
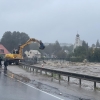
(51,20)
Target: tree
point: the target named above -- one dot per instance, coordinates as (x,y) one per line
(23,39)
(85,45)
(49,49)
(93,45)
(6,40)
(57,46)
(94,55)
(61,54)
(34,46)
(97,43)
(53,49)
(69,48)
(12,40)
(80,52)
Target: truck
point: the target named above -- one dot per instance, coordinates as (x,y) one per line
(17,55)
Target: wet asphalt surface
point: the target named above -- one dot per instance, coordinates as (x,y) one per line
(11,89)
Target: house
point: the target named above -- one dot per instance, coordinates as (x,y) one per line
(33,53)
(3,50)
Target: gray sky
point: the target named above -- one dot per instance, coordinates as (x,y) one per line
(51,20)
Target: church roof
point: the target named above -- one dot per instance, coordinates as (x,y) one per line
(77,35)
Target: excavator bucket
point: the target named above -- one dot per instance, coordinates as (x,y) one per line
(41,46)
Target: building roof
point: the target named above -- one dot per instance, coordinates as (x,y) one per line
(77,35)
(32,51)
(35,51)
(3,50)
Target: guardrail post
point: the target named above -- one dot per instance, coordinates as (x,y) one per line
(27,68)
(95,85)
(80,81)
(40,71)
(33,70)
(68,78)
(52,76)
(30,69)
(46,72)
(36,71)
(59,78)
(24,66)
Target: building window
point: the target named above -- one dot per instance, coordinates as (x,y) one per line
(1,51)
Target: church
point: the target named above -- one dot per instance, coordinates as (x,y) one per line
(78,42)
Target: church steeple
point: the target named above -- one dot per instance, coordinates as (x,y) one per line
(77,35)
(78,42)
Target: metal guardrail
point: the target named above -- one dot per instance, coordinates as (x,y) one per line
(69,74)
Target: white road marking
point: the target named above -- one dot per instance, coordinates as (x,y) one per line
(36,88)
(40,90)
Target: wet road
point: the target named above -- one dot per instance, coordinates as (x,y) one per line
(11,89)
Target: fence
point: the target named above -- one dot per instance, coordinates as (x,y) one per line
(59,73)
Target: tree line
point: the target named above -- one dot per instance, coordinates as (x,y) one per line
(11,40)
(54,50)
(92,54)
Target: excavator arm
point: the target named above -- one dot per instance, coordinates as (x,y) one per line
(15,57)
(30,41)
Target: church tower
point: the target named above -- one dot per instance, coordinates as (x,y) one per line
(78,42)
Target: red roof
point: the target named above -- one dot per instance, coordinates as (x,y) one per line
(3,50)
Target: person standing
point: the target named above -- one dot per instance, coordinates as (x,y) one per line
(0,62)
(5,64)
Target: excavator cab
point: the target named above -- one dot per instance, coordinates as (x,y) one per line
(41,45)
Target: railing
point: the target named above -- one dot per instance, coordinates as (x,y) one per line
(68,74)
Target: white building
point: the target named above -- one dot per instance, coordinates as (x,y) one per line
(78,42)
(33,53)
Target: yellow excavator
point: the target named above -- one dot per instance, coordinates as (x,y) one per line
(16,56)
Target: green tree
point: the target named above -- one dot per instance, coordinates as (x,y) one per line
(85,45)
(93,45)
(53,49)
(49,49)
(61,54)
(80,52)
(12,40)
(57,46)
(97,43)
(69,48)
(6,40)
(34,46)
(94,55)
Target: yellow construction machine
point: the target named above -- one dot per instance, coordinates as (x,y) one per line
(16,56)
